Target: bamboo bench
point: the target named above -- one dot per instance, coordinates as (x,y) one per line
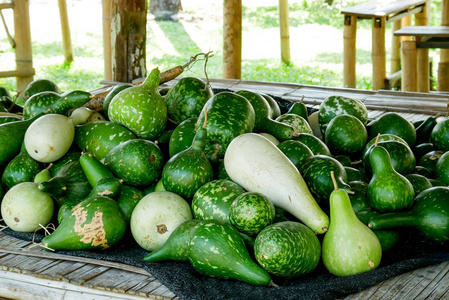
(380,12)
(415,56)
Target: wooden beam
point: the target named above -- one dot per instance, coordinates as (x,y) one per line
(22,37)
(128,39)
(285,31)
(232,39)
(349,44)
(65,28)
(107,51)
(18,73)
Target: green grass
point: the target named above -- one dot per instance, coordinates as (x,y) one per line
(172,43)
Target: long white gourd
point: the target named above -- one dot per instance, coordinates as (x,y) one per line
(256,164)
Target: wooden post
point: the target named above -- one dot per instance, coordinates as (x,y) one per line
(409,66)
(128,39)
(423,80)
(65,28)
(349,51)
(284,28)
(378,53)
(395,49)
(107,10)
(232,35)
(443,65)
(23,50)
(406,21)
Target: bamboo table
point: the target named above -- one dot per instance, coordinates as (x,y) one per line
(28,272)
(380,12)
(415,56)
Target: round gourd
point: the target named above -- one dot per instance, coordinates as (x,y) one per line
(440,135)
(333,106)
(20,206)
(251,212)
(345,134)
(137,162)
(394,123)
(287,249)
(297,122)
(156,216)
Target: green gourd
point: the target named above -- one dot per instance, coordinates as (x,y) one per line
(95,223)
(175,248)
(189,169)
(388,190)
(299,109)
(69,184)
(349,247)
(21,168)
(429,215)
(54,103)
(114,91)
(275,109)
(141,108)
(182,136)
(263,121)
(11,138)
(229,259)
(296,152)
(315,144)
(424,130)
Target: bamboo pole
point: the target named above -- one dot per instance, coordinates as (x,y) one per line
(406,21)
(409,66)
(284,28)
(395,61)
(349,51)
(423,80)
(107,52)
(443,65)
(23,50)
(65,28)
(378,53)
(232,35)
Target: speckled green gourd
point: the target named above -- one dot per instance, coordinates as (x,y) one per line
(114,91)
(338,105)
(127,200)
(316,173)
(213,245)
(250,212)
(317,146)
(186,98)
(189,169)
(69,184)
(401,156)
(388,190)
(213,199)
(394,123)
(263,117)
(137,162)
(300,124)
(38,86)
(21,168)
(349,247)
(99,138)
(429,215)
(439,135)
(287,249)
(141,108)
(299,109)
(11,138)
(54,102)
(228,116)
(95,223)
(175,248)
(296,151)
(383,137)
(345,134)
(182,136)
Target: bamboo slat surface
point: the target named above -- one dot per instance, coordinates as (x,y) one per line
(32,273)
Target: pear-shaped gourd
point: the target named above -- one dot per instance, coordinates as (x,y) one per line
(175,248)
(141,108)
(95,223)
(349,247)
(387,190)
(189,169)
(429,215)
(216,249)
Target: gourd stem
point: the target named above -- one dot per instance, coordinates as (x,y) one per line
(393,220)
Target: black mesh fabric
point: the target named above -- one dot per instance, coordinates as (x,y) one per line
(182,279)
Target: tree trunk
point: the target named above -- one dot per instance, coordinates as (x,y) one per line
(165,9)
(128,39)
